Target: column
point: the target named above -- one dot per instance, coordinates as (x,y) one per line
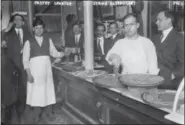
(88,34)
(62,26)
(30,15)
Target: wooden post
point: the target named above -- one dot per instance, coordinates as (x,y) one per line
(30,15)
(144,15)
(88,34)
(6,13)
(62,26)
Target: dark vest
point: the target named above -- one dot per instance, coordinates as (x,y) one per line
(37,50)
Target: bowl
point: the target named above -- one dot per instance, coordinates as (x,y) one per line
(138,91)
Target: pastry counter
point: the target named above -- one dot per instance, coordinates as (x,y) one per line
(94,104)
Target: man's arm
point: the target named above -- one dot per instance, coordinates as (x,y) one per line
(152,59)
(178,70)
(26,62)
(113,55)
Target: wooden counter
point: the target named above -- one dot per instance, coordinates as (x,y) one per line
(94,104)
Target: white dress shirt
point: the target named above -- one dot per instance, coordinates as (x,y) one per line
(77,37)
(137,56)
(113,36)
(26,51)
(20,33)
(101,40)
(165,33)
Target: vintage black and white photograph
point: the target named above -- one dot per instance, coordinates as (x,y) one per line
(92,62)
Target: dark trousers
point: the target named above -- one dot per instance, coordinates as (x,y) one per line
(21,95)
(7,114)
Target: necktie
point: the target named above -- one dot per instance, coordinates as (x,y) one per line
(99,46)
(76,39)
(19,36)
(162,35)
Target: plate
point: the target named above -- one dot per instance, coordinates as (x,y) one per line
(89,73)
(161,98)
(65,63)
(141,80)
(98,66)
(109,81)
(73,66)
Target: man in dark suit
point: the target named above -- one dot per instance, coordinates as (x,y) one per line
(103,45)
(69,35)
(8,90)
(110,41)
(99,41)
(170,51)
(78,37)
(113,28)
(15,39)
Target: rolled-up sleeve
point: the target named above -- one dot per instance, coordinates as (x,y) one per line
(26,55)
(152,59)
(53,51)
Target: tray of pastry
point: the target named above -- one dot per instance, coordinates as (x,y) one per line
(108,81)
(161,98)
(141,80)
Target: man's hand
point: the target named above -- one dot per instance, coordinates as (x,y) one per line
(172,76)
(56,60)
(115,60)
(30,79)
(98,58)
(3,44)
(67,52)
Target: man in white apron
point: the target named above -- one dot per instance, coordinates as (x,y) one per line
(36,60)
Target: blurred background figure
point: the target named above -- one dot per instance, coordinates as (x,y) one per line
(69,37)
(121,30)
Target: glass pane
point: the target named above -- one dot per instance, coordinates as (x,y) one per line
(47,8)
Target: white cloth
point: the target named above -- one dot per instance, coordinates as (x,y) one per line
(101,40)
(42,92)
(20,31)
(165,33)
(137,56)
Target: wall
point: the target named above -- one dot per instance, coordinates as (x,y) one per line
(5,14)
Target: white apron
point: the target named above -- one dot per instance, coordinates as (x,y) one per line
(42,92)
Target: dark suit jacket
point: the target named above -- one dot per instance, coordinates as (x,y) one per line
(8,93)
(69,37)
(97,50)
(14,59)
(81,43)
(14,47)
(170,58)
(110,42)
